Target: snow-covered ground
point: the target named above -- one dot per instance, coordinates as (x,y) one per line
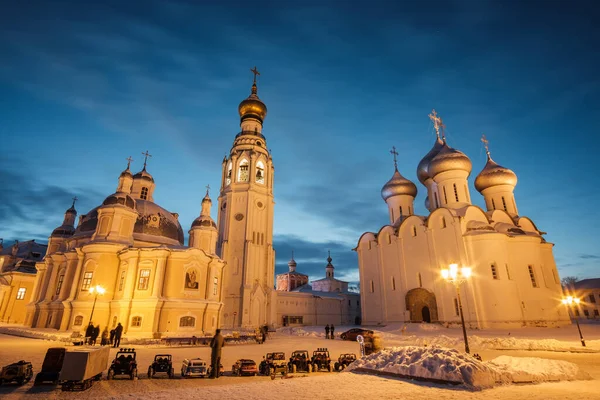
(345,385)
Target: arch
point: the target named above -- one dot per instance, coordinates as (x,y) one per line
(384,234)
(228,174)
(426,314)
(243,171)
(527,225)
(260,172)
(418,300)
(435,218)
(405,227)
(501,216)
(365,238)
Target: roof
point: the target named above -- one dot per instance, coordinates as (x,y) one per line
(25,249)
(329,279)
(592,283)
(28,253)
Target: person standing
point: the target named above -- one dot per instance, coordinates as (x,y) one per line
(118,333)
(216,344)
(95,334)
(89,332)
(104,340)
(112,336)
(332,329)
(327,331)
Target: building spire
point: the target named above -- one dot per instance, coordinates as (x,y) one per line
(146,155)
(207,190)
(395,153)
(486,144)
(129,160)
(255,72)
(74,200)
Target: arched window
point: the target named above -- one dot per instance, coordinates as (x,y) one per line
(414,231)
(228,176)
(420,280)
(187,322)
(493,204)
(136,322)
(260,172)
(445,197)
(243,171)
(59,283)
(455,192)
(437,202)
(393,283)
(372,287)
(504,204)
(215,285)
(443,222)
(78,320)
(144,194)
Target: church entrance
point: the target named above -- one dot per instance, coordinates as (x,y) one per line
(422,305)
(425,313)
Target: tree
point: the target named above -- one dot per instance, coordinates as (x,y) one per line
(568,283)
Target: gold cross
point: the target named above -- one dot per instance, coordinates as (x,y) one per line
(437,121)
(207,189)
(485,144)
(74,200)
(255,72)
(129,160)
(146,154)
(395,153)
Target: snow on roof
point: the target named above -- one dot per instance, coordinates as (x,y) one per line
(592,283)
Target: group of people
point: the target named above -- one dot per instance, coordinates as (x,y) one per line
(112,338)
(329,331)
(262,333)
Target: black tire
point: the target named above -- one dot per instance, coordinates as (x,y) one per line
(329,368)
(110,375)
(149,373)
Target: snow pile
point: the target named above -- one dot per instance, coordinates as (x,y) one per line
(450,365)
(436,363)
(533,369)
(296,331)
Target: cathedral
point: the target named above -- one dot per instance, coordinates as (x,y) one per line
(514,278)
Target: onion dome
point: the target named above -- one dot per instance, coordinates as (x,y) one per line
(494,175)
(120,198)
(423,167)
(292,263)
(204,220)
(449,159)
(126,174)
(253,107)
(398,185)
(144,175)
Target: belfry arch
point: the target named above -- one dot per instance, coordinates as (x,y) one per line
(422,305)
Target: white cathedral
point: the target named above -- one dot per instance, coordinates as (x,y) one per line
(514,278)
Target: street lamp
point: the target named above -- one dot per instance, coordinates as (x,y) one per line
(569,301)
(95,290)
(456,277)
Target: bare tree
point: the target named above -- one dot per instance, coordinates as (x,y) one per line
(568,283)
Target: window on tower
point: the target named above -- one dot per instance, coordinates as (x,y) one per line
(260,172)
(243,172)
(144,194)
(228,177)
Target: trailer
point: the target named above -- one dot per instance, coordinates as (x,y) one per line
(82,367)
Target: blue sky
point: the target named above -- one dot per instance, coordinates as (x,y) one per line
(84,85)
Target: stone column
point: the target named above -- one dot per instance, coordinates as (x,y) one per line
(159,277)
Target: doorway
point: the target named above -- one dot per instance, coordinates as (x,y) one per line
(425,314)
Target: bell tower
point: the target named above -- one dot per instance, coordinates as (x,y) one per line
(245,220)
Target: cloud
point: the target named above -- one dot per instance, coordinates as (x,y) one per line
(589,257)
(311,257)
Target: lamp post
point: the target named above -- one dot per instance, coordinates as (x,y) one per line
(569,301)
(95,290)
(456,277)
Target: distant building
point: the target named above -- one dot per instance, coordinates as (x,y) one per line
(588,290)
(17,277)
(324,301)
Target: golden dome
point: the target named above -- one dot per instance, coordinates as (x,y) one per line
(397,186)
(449,159)
(253,107)
(422,168)
(494,175)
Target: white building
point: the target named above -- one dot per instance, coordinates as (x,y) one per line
(514,282)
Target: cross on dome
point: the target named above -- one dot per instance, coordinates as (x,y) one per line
(437,121)
(255,72)
(146,155)
(395,153)
(486,144)
(74,200)
(129,160)
(207,189)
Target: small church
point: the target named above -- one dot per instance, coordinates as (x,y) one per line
(514,280)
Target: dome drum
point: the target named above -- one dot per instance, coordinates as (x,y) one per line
(120,198)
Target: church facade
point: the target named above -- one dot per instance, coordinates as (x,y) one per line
(514,278)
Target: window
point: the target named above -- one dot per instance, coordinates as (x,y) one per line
(393,283)
(456,310)
(437,203)
(144,279)
(507,271)
(372,287)
(414,231)
(136,322)
(443,222)
(21,293)
(78,320)
(228,176)
(215,285)
(87,281)
(349,303)
(592,298)
(420,280)
(357,303)
(455,192)
(596,313)
(586,313)
(122,281)
(59,284)
(494,272)
(466,193)
(243,172)
(493,204)
(576,312)
(532,276)
(260,172)
(445,197)
(144,194)
(389,239)
(504,204)
(186,322)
